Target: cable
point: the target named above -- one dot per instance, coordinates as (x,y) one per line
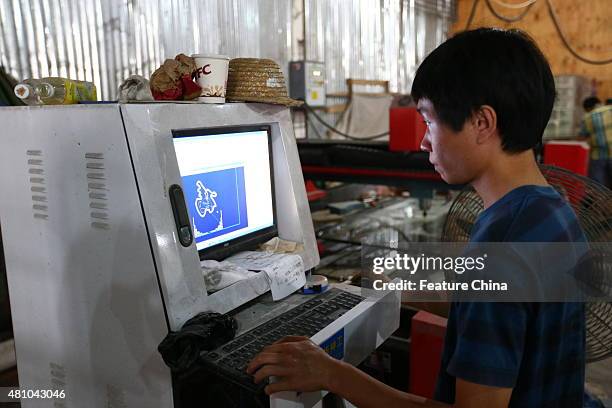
(553,15)
(314,128)
(509,19)
(528,4)
(471,17)
(515,6)
(333,129)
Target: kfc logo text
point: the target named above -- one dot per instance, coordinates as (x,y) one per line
(205,70)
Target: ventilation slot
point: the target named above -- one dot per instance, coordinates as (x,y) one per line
(38,185)
(98,193)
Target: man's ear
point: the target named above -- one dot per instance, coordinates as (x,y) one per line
(484,121)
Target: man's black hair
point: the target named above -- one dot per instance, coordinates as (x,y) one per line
(590,102)
(501,68)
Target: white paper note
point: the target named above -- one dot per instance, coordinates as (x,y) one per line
(285,271)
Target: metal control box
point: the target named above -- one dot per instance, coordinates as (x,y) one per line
(307,82)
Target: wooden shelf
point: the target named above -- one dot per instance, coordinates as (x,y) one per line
(338,95)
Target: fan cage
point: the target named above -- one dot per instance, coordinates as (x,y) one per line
(592,204)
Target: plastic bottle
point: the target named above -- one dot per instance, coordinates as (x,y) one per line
(55,91)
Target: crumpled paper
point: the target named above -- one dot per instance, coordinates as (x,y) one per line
(219,275)
(135,88)
(173,81)
(281,246)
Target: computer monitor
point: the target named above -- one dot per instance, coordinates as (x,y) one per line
(228,183)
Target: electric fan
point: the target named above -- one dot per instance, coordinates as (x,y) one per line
(592,203)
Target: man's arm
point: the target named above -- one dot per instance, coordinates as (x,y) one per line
(300,365)
(584,134)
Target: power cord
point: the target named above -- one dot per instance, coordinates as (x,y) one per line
(468,23)
(566,43)
(510,19)
(527,5)
(515,6)
(333,129)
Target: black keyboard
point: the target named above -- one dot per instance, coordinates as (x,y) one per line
(230,360)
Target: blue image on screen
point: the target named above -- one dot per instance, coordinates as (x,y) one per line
(216,201)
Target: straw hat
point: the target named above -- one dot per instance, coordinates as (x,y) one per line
(257,80)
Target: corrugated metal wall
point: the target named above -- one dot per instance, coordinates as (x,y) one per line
(374,39)
(105,41)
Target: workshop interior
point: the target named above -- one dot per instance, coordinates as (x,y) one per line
(187,182)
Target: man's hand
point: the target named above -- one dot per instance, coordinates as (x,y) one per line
(301,365)
(296,362)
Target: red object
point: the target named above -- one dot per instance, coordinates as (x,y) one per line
(320,247)
(168,95)
(426,345)
(191,90)
(313,192)
(406,130)
(401,174)
(570,155)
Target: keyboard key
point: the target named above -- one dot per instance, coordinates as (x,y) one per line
(304,320)
(229,347)
(259,332)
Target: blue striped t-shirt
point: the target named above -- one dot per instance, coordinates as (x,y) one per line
(537,349)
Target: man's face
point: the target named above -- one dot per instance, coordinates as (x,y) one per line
(455,155)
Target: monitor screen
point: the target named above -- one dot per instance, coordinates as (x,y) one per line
(228,184)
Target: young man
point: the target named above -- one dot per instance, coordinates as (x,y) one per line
(596,127)
(486,96)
